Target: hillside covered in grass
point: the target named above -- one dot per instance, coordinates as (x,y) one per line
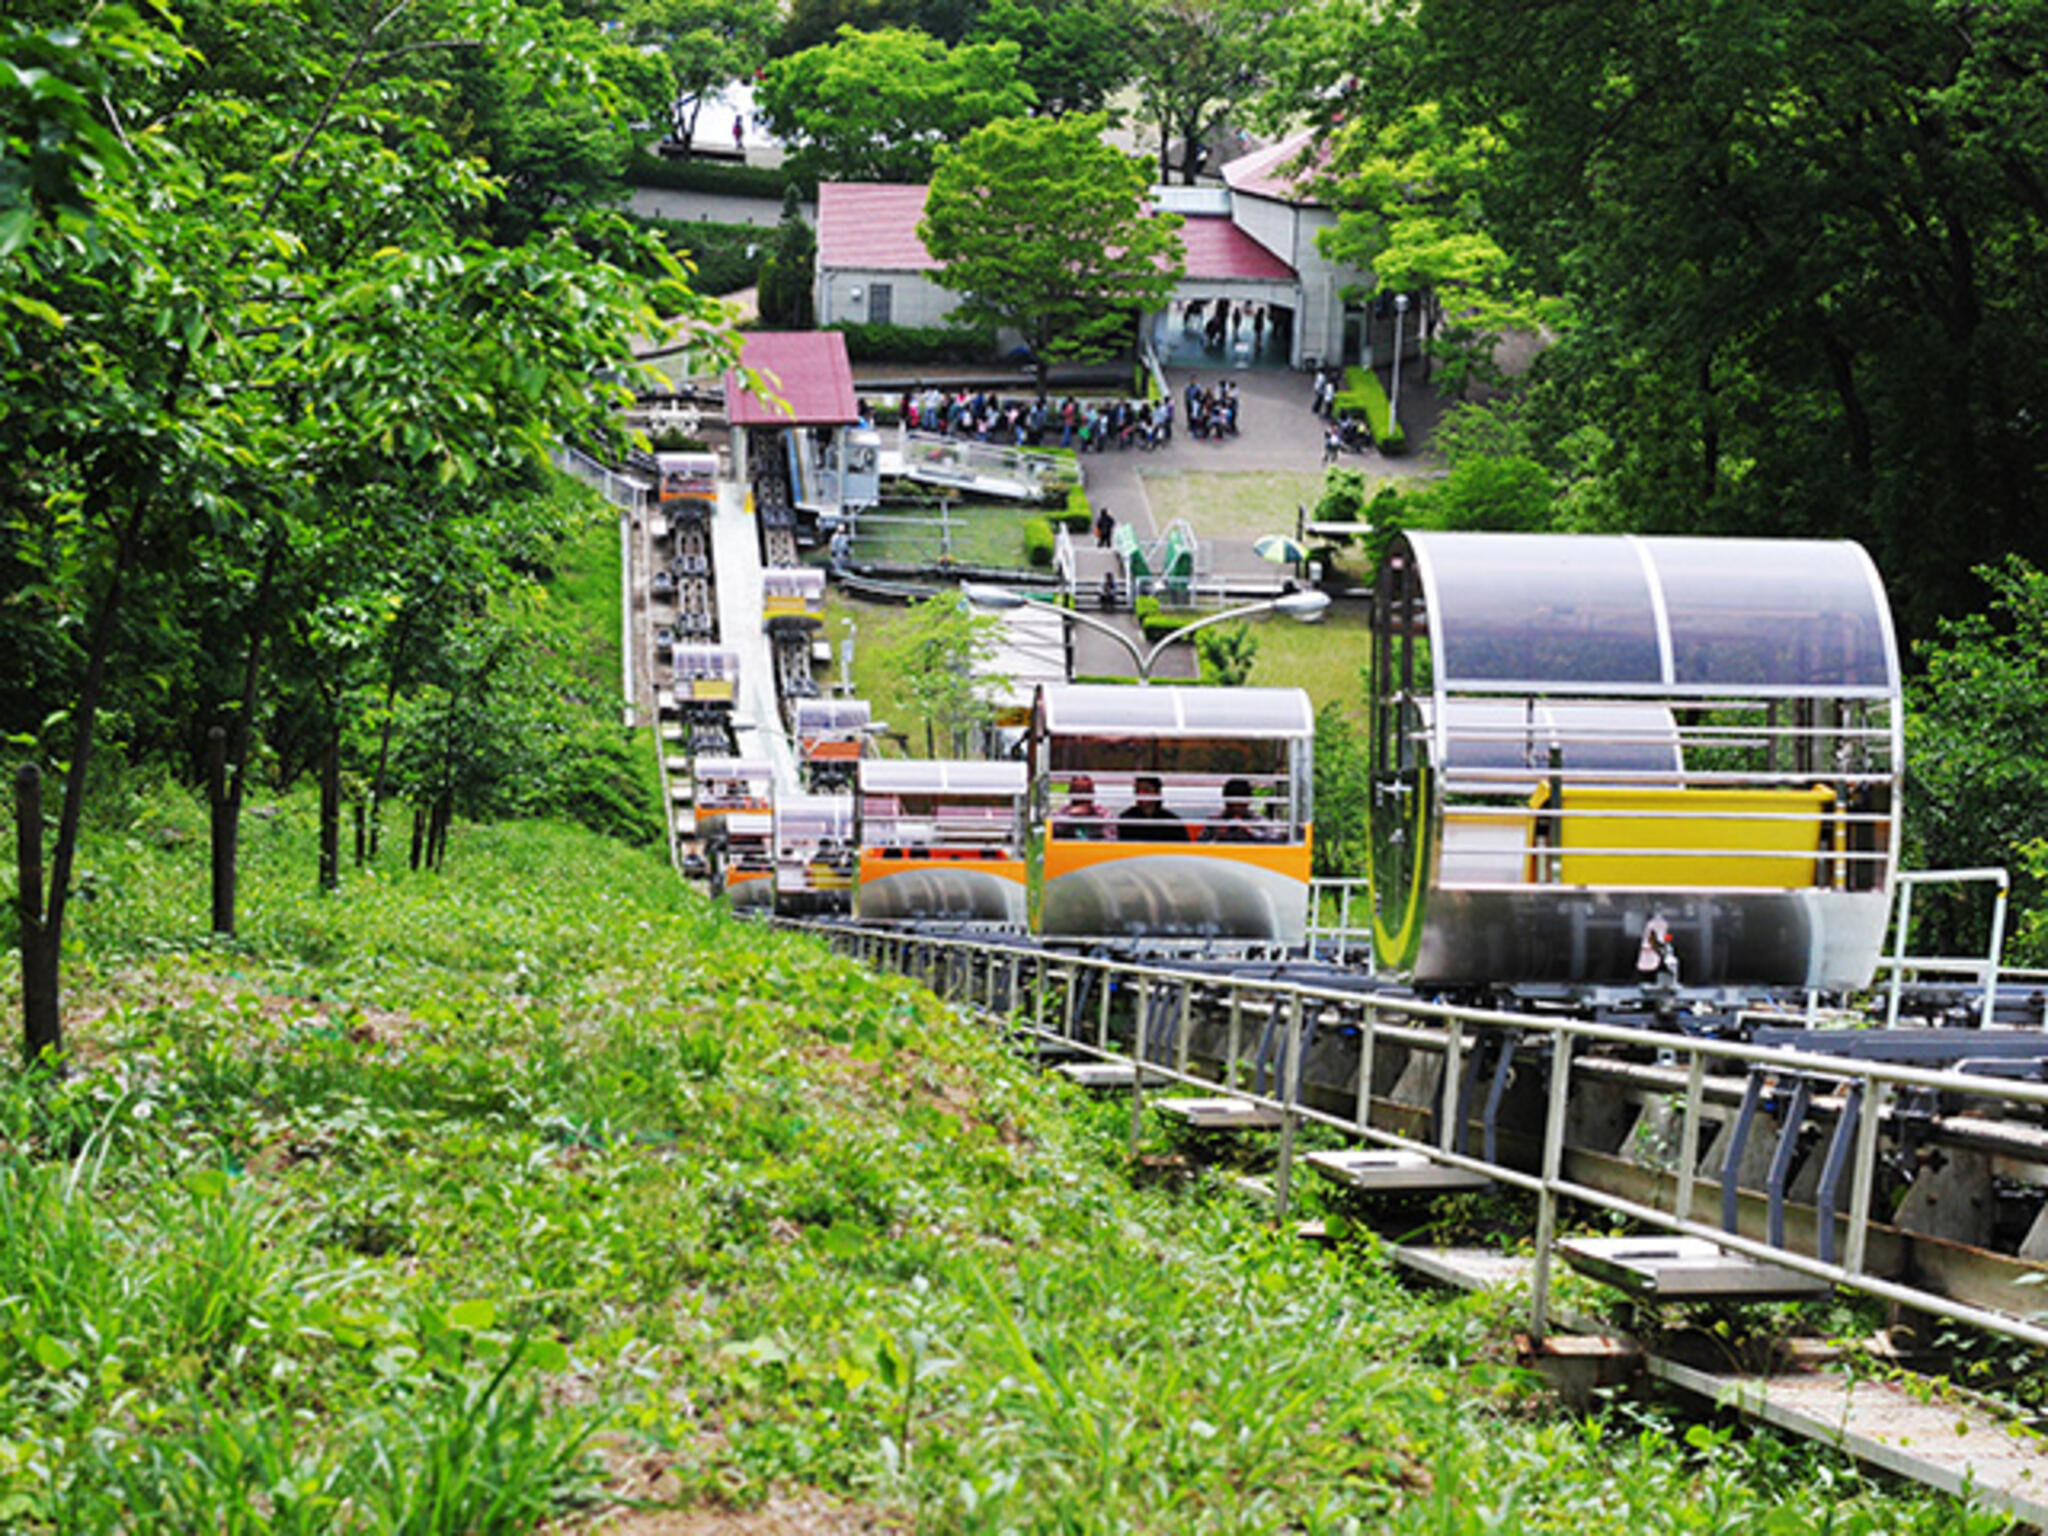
(539,1191)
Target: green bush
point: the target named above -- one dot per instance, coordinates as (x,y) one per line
(1038,541)
(916,343)
(727,256)
(1078,517)
(1364,396)
(725,176)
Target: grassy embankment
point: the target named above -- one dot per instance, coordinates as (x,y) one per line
(452,1203)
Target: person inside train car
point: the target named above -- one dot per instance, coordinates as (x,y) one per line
(1238,822)
(1146,819)
(1084,818)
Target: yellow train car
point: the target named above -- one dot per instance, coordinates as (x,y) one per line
(1172,816)
(942,842)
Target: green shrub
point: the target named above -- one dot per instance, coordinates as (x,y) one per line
(1364,396)
(1038,541)
(726,176)
(1078,517)
(916,343)
(727,256)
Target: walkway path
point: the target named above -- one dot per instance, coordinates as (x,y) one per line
(1277,431)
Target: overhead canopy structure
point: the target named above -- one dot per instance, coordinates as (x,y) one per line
(1513,612)
(1108,709)
(921,776)
(806,380)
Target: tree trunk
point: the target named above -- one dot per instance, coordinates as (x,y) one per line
(84,722)
(221,825)
(330,814)
(227,809)
(419,835)
(42,1033)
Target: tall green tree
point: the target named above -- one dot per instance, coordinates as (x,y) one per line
(942,654)
(1044,228)
(248,297)
(1976,755)
(877,106)
(1195,63)
(703,46)
(1074,54)
(1802,244)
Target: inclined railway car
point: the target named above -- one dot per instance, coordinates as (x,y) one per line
(1600,761)
(1172,815)
(941,842)
(815,854)
(831,739)
(706,678)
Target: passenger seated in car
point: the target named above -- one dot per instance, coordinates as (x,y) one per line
(1083,818)
(1146,819)
(1238,822)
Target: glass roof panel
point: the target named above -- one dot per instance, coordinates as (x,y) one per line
(1091,709)
(831,714)
(1539,608)
(912,776)
(1790,613)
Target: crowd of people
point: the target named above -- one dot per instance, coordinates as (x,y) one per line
(1087,426)
(1148,818)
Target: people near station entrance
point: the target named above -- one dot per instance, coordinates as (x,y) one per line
(1109,593)
(1238,822)
(1333,441)
(1105,528)
(1146,819)
(1083,817)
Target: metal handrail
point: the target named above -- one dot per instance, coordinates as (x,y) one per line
(1444,1027)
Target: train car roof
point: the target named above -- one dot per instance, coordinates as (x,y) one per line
(1620,614)
(1122,709)
(705,661)
(827,811)
(806,579)
(927,776)
(733,768)
(831,714)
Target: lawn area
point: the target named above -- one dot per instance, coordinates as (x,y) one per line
(1238,504)
(970,535)
(875,627)
(1326,658)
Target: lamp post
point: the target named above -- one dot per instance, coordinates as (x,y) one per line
(846,658)
(1301,606)
(1394,405)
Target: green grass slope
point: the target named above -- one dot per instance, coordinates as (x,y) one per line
(539,1192)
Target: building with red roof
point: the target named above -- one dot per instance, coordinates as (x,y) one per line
(1250,244)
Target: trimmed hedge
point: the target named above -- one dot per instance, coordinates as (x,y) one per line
(727,257)
(1079,516)
(1364,395)
(722,176)
(1038,541)
(916,343)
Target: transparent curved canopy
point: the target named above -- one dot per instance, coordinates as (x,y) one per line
(831,715)
(919,776)
(1113,710)
(1625,614)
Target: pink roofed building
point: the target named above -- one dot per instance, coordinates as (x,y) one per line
(1251,249)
